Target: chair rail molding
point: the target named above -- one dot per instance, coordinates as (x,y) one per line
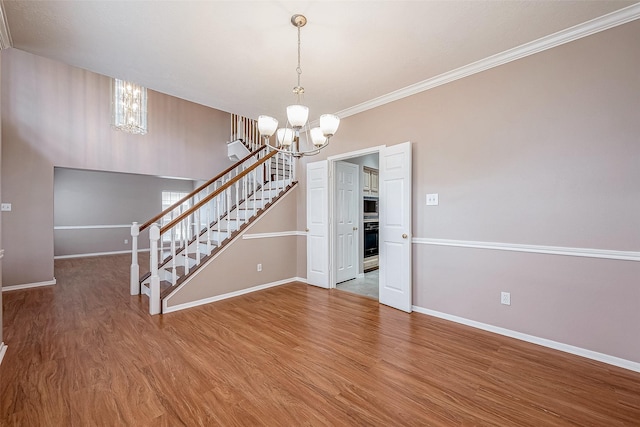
(550,250)
(91,227)
(274,234)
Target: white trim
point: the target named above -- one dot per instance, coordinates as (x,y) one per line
(29,285)
(357,153)
(89,227)
(551,250)
(274,234)
(613,19)
(97,254)
(170,309)
(5,34)
(589,354)
(3,350)
(165,300)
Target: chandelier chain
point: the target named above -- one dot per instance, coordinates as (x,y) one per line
(298,90)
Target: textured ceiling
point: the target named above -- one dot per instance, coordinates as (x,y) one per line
(240,56)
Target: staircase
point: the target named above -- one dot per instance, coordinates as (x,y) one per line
(191,231)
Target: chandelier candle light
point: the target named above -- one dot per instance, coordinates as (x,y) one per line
(288,138)
(129,107)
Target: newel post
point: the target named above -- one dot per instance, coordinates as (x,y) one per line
(135,268)
(154,285)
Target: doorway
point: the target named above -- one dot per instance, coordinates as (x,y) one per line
(394,284)
(355,212)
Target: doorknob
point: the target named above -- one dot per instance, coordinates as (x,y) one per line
(404,236)
(306,229)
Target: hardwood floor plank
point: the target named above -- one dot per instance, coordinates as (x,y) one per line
(84,352)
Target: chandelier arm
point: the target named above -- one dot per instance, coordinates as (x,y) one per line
(296,154)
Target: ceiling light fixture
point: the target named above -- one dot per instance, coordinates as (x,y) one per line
(288,137)
(129,107)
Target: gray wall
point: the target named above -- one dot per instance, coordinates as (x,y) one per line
(544,150)
(57,115)
(91,198)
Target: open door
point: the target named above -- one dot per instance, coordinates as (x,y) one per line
(395,226)
(346,220)
(318,223)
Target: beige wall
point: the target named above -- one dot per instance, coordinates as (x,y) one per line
(541,151)
(57,115)
(1,247)
(236,268)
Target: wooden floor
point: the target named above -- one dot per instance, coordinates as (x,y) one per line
(85,353)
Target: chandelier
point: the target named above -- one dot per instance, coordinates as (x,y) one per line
(288,137)
(129,107)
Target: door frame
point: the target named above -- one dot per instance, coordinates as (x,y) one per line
(331,184)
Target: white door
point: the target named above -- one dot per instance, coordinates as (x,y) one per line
(395,226)
(346,221)
(318,224)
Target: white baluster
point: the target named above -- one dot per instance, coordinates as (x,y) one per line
(255,190)
(294,165)
(135,268)
(173,256)
(154,285)
(197,239)
(209,227)
(228,191)
(185,243)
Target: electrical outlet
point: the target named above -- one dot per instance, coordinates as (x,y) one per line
(259,267)
(6,207)
(126,241)
(505,298)
(432,199)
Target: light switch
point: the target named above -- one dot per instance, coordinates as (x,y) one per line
(432,199)
(5,207)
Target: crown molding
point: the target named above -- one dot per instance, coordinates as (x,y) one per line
(5,35)
(604,22)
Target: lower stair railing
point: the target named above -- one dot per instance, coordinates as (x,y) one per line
(195,228)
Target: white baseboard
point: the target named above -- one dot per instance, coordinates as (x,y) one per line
(97,254)
(29,285)
(170,309)
(3,350)
(589,354)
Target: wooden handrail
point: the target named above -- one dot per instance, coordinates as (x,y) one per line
(202,187)
(217,191)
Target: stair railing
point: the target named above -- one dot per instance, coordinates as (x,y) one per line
(245,129)
(185,241)
(185,203)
